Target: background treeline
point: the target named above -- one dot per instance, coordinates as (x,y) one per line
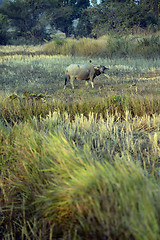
(35,21)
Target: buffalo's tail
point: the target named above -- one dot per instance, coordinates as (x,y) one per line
(66,79)
(65,83)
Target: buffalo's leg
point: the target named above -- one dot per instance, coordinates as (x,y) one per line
(92,84)
(92,81)
(71,82)
(86,83)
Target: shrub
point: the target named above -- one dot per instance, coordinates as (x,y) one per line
(148,46)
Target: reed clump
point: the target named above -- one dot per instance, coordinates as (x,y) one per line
(106,46)
(15,110)
(54,185)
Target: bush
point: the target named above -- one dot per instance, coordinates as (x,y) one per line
(148,46)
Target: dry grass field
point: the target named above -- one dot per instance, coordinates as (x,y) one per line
(45,74)
(78,163)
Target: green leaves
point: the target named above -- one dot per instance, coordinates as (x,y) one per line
(30,19)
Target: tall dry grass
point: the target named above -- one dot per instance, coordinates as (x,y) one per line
(106,46)
(79,177)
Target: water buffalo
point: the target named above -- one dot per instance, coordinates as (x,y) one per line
(85,72)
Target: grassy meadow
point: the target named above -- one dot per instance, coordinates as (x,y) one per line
(83,163)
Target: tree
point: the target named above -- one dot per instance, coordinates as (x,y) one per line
(84,27)
(30,17)
(148,5)
(25,16)
(62,17)
(118,17)
(153,5)
(117,1)
(3,30)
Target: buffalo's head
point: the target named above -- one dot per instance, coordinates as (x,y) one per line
(103,68)
(100,69)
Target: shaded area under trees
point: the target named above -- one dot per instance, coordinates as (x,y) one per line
(27,20)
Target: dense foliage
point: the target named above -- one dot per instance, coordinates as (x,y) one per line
(116,17)
(3,29)
(37,20)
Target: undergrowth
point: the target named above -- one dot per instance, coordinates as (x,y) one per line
(15,110)
(79,171)
(107,46)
